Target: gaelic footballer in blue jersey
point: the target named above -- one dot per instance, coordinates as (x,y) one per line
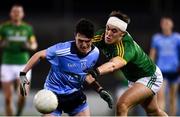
(70,62)
(165,51)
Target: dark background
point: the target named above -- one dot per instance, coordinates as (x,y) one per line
(54,21)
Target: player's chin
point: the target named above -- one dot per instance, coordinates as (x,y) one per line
(108,41)
(84,51)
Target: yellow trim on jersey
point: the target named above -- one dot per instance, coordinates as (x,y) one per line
(122,46)
(32,38)
(123,60)
(120,49)
(97,38)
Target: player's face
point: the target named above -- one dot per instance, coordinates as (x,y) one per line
(113,34)
(17,13)
(166,25)
(83,43)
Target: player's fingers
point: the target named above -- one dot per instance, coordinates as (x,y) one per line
(24,89)
(27,82)
(110,102)
(21,90)
(110,105)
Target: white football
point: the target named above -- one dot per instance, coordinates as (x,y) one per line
(45,101)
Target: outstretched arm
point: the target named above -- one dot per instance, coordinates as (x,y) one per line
(34,59)
(152,54)
(93,83)
(98,88)
(114,64)
(110,66)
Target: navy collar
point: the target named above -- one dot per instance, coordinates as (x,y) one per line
(74,50)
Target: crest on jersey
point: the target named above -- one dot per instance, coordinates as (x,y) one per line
(17,33)
(83,64)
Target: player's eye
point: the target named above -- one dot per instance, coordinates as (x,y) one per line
(86,41)
(114,30)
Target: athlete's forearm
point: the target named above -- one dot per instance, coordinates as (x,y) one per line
(89,79)
(106,68)
(152,54)
(114,64)
(33,46)
(34,60)
(33,43)
(93,83)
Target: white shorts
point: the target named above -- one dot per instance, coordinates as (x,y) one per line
(11,72)
(153,82)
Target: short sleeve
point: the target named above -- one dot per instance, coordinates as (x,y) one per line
(129,52)
(51,54)
(178,38)
(31,33)
(154,42)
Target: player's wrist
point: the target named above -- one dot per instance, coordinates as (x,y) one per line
(96,86)
(22,73)
(97,72)
(94,72)
(100,90)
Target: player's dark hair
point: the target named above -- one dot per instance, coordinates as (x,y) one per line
(120,15)
(85,27)
(166,17)
(17,5)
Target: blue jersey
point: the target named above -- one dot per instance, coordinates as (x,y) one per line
(68,68)
(167,48)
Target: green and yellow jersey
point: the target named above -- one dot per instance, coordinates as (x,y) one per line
(138,63)
(15,37)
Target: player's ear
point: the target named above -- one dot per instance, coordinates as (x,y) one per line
(122,34)
(75,34)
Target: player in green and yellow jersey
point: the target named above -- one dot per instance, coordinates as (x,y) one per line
(145,78)
(16,39)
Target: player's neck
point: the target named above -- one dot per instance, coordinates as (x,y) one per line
(119,40)
(80,54)
(75,50)
(167,32)
(16,22)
